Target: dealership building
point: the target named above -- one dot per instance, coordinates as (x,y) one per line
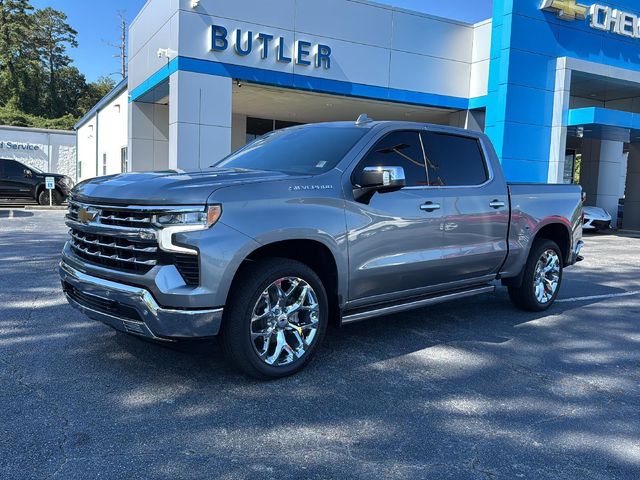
(46,150)
(554,83)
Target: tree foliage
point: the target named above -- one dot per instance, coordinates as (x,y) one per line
(39,86)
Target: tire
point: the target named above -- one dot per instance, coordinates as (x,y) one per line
(43,197)
(526,296)
(248,312)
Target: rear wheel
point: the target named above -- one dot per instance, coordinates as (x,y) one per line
(276,318)
(542,278)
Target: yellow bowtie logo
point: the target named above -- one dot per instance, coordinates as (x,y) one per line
(566,9)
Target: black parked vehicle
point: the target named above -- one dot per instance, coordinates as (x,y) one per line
(20,182)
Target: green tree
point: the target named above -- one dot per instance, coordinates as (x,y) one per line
(53,36)
(16,49)
(39,86)
(94,92)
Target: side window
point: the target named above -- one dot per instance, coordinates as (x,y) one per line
(454,160)
(13,169)
(399,149)
(2,162)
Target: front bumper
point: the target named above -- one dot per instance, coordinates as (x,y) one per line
(134,309)
(594,224)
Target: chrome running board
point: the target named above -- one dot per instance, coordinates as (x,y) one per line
(387,309)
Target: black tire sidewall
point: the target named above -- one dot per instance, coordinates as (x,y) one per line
(43,197)
(237,323)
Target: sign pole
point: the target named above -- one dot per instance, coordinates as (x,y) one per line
(50,185)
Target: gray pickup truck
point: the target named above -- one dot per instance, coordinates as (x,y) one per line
(316,224)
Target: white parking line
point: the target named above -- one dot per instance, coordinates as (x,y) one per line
(599,297)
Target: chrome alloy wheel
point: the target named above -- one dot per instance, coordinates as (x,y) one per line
(547,276)
(284,321)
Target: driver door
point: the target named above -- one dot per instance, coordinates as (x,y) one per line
(395,239)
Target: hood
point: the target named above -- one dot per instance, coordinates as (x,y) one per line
(596,213)
(57,176)
(172,187)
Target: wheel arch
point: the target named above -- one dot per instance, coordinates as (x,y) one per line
(560,234)
(554,230)
(313,253)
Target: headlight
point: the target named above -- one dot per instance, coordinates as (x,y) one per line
(171,223)
(207,217)
(66,182)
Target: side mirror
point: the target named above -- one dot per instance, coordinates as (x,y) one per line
(379,180)
(28,173)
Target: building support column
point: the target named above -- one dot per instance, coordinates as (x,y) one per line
(199,120)
(590,150)
(612,160)
(148,136)
(631,218)
(561,102)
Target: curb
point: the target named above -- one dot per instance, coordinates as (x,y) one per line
(44,207)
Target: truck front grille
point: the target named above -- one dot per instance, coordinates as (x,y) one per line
(124,239)
(125,217)
(111,251)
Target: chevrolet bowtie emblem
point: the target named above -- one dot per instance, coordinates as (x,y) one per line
(566,9)
(86,215)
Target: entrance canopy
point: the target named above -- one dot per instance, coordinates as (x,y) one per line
(604,108)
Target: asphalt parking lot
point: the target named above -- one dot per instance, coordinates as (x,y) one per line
(471,390)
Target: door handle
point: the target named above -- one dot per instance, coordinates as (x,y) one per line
(430,207)
(497,204)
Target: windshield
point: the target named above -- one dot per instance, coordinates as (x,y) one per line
(307,150)
(35,169)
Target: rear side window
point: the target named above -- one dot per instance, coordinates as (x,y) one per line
(454,160)
(13,169)
(398,149)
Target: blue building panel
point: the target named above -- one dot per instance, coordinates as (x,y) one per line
(518,170)
(521,82)
(526,142)
(532,106)
(529,70)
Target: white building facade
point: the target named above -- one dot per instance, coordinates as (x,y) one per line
(51,151)
(103,136)
(199,71)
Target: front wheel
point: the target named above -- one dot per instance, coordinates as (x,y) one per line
(541,279)
(275,319)
(43,197)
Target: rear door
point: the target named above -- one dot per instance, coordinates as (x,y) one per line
(3,180)
(15,183)
(475,205)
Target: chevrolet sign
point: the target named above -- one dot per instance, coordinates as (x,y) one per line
(87,215)
(601,17)
(566,9)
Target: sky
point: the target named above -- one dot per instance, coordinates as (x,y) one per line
(97,24)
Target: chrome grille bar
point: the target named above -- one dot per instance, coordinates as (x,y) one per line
(115,258)
(131,247)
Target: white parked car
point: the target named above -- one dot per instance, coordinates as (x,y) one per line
(596,218)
